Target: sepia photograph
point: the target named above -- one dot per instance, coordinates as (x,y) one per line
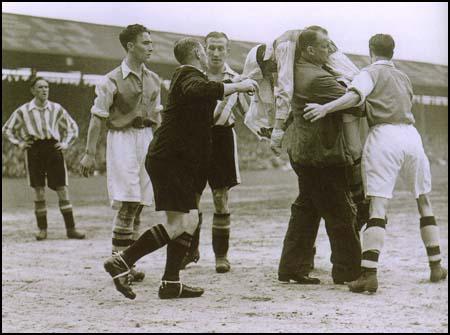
(224,167)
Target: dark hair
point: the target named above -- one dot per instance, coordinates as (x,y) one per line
(183,48)
(130,33)
(216,34)
(34,80)
(382,45)
(317,28)
(307,38)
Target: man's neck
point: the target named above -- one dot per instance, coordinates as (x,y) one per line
(378,58)
(195,63)
(39,102)
(133,64)
(216,70)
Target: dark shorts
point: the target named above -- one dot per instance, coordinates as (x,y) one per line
(224,168)
(45,161)
(175,184)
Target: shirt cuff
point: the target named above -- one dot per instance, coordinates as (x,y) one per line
(100,113)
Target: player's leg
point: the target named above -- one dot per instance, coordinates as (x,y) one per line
(382,161)
(223,175)
(221,229)
(58,180)
(142,141)
(40,210)
(193,254)
(173,184)
(122,234)
(429,232)
(373,241)
(65,206)
(177,233)
(417,174)
(36,179)
(171,286)
(136,275)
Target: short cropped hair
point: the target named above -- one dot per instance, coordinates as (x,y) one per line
(382,45)
(307,38)
(184,49)
(130,33)
(317,28)
(216,34)
(34,80)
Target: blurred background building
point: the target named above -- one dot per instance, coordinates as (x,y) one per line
(73,56)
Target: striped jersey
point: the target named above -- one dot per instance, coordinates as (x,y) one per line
(226,109)
(30,122)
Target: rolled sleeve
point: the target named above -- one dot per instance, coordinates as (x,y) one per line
(155,113)
(104,92)
(362,85)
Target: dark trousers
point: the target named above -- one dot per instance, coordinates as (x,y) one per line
(323,192)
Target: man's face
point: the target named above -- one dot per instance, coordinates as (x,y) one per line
(142,48)
(40,90)
(217,50)
(320,51)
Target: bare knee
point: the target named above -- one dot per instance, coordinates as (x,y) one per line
(220,197)
(190,223)
(424,205)
(39,193)
(178,223)
(63,193)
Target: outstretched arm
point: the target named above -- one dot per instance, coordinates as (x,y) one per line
(315,112)
(361,86)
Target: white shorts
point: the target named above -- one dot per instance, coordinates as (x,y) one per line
(125,166)
(393,150)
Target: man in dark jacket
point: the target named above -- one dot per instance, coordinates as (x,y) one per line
(319,157)
(176,157)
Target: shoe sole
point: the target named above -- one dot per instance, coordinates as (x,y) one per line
(222,270)
(119,287)
(371,290)
(167,298)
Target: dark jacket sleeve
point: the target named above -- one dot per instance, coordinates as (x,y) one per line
(326,89)
(194,86)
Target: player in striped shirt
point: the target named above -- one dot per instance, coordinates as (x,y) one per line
(44,129)
(222,173)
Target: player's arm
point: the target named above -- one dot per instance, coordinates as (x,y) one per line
(12,127)
(70,130)
(99,113)
(284,85)
(196,87)
(283,91)
(360,88)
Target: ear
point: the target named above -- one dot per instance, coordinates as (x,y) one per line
(197,53)
(310,50)
(130,45)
